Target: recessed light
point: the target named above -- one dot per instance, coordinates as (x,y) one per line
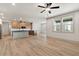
(13,4)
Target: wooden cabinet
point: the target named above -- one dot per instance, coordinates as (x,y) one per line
(21,24)
(15,24)
(31,32)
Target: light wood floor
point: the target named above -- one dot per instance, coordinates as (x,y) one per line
(35,46)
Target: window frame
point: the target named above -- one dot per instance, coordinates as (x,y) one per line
(61,24)
(72,24)
(56,25)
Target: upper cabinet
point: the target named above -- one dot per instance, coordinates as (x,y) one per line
(14,24)
(21,24)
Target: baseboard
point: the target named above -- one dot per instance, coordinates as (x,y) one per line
(70,41)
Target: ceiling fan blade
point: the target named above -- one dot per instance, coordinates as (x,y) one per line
(42,11)
(49,12)
(41,6)
(54,7)
(48,4)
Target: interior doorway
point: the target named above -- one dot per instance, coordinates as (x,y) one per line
(5,28)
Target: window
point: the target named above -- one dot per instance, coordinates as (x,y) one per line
(67,25)
(57,25)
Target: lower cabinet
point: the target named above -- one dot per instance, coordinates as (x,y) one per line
(31,32)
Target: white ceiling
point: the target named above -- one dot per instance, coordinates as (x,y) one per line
(30,10)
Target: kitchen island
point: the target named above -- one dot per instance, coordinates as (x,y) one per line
(20,33)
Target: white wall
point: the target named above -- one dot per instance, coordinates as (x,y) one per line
(62,35)
(37,25)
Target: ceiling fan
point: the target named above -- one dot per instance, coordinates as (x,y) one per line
(48,7)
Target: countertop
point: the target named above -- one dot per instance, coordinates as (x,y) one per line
(20,29)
